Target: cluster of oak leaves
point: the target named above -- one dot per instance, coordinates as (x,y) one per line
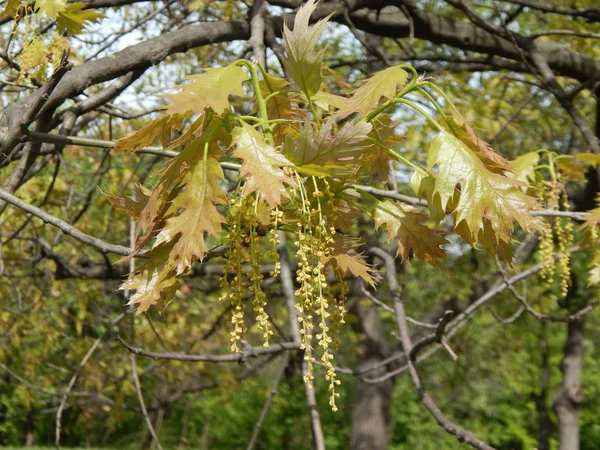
(300,159)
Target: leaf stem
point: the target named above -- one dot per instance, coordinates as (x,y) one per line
(260,101)
(397,156)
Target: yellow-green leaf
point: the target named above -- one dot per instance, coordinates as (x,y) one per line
(209,90)
(406,223)
(482,194)
(193,213)
(302,62)
(73,19)
(51,8)
(262,165)
(524,166)
(383,84)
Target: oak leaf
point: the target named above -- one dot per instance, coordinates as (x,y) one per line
(208,90)
(406,223)
(474,193)
(262,165)
(155,283)
(348,260)
(73,19)
(330,153)
(302,61)
(383,84)
(193,212)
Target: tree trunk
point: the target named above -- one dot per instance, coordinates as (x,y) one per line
(371,410)
(541,399)
(567,401)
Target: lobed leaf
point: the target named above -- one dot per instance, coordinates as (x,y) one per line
(383,84)
(262,165)
(302,62)
(348,260)
(475,194)
(193,212)
(209,90)
(406,223)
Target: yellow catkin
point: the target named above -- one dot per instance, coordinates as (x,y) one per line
(564,234)
(547,235)
(234,290)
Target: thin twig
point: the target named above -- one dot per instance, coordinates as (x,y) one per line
(250,352)
(138,389)
(462,434)
(269,401)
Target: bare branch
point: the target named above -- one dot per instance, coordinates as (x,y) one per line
(461,433)
(138,389)
(250,352)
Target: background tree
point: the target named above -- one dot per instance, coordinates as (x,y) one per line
(507,356)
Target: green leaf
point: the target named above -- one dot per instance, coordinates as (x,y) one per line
(330,153)
(302,62)
(462,130)
(262,165)
(524,166)
(73,19)
(51,8)
(143,137)
(383,84)
(479,193)
(406,223)
(155,283)
(590,158)
(348,260)
(193,213)
(209,90)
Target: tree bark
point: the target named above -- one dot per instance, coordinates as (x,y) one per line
(567,401)
(541,399)
(371,410)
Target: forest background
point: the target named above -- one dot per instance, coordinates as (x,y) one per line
(505,334)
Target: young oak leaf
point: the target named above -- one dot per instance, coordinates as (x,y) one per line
(481,193)
(51,8)
(383,84)
(193,212)
(278,106)
(143,137)
(210,89)
(132,206)
(329,153)
(524,167)
(73,19)
(348,260)
(302,62)
(377,160)
(462,130)
(155,283)
(406,223)
(262,165)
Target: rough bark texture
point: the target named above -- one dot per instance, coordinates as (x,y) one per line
(541,399)
(568,399)
(370,415)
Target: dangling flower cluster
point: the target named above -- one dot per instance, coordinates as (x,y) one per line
(243,241)
(547,237)
(256,278)
(564,234)
(594,273)
(234,290)
(314,246)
